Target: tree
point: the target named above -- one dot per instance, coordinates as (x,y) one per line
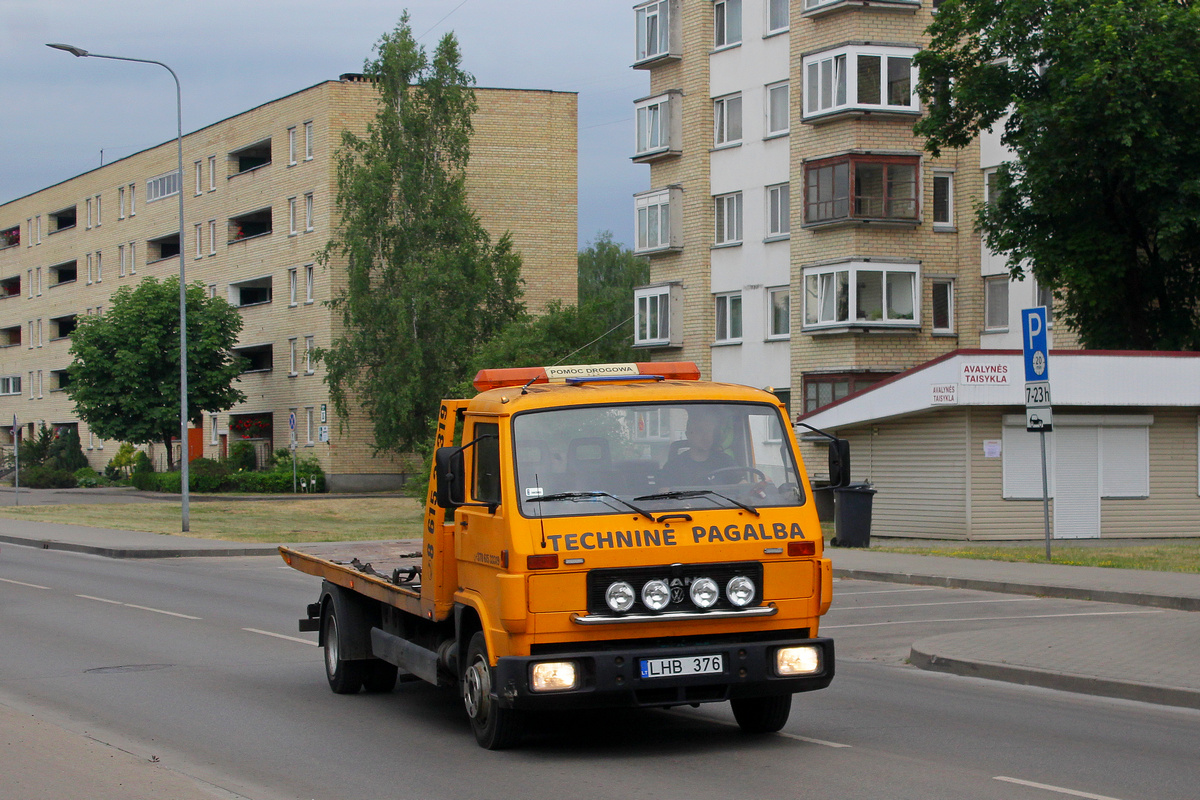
(425,286)
(1102,199)
(597,330)
(124,379)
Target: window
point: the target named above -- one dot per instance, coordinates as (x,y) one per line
(777,16)
(655,120)
(291,146)
(60,220)
(727,120)
(308,425)
(10,336)
(10,384)
(199,178)
(99,220)
(995,292)
(309,278)
(729,317)
(133,199)
(214,435)
(212,237)
(66,272)
(99,267)
(884,187)
(779,321)
(253,292)
(292,356)
(133,258)
(292,216)
(308,212)
(652,222)
(485,486)
(40,384)
(943,199)
(120,202)
(1043,296)
(197,232)
(860,79)
(653,30)
(39,280)
(943,306)
(30,385)
(162,248)
(212,173)
(727,23)
(991,186)
(89,214)
(120,261)
(310,344)
(256,358)
(308,141)
(10,287)
(860,293)
(292,286)
(89,269)
(777,109)
(10,237)
(779,211)
(250,158)
(40,340)
(729,218)
(821,390)
(59,379)
(652,315)
(250,225)
(162,186)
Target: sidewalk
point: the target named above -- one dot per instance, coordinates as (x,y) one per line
(1153,660)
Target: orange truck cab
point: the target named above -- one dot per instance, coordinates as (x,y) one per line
(595,536)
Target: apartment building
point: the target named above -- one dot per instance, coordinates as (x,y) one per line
(875,268)
(259,203)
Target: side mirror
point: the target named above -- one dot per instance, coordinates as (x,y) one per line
(449,470)
(839,462)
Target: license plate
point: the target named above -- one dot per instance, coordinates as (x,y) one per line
(688,665)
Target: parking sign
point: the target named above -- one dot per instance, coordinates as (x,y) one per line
(1035,344)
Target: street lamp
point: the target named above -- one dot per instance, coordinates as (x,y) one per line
(79,52)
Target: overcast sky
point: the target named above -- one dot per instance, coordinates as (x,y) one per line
(58,112)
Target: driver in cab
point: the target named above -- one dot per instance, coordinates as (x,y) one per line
(696,463)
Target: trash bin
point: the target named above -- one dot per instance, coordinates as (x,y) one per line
(852,515)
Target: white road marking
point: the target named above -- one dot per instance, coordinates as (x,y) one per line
(23,583)
(942,603)
(728,724)
(1059,789)
(281,636)
(987,619)
(891,591)
(134,605)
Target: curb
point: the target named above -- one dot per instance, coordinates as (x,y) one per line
(142,552)
(1035,589)
(1047,679)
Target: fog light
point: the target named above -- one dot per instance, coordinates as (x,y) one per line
(798,660)
(740,590)
(704,592)
(656,594)
(554,676)
(619,596)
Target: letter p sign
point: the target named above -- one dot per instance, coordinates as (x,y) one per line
(1035,345)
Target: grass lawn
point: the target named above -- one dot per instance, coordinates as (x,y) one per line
(1169,557)
(321,519)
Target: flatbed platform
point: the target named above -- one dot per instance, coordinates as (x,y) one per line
(389,570)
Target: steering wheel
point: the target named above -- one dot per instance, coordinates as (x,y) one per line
(751,471)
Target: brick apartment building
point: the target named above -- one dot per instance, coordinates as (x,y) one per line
(875,268)
(259,200)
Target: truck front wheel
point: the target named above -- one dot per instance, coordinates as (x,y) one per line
(345,677)
(495,728)
(762,714)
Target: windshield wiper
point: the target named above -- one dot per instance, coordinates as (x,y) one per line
(585,495)
(680,494)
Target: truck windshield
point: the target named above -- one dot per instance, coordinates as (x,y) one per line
(655,458)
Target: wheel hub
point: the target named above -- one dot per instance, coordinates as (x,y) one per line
(477,689)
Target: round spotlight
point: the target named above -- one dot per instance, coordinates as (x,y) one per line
(656,595)
(740,590)
(619,596)
(704,592)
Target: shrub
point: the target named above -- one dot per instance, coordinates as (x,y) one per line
(86,477)
(36,476)
(206,475)
(241,457)
(142,463)
(121,463)
(66,452)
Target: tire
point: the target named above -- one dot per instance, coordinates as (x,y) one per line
(379,676)
(345,677)
(762,714)
(495,728)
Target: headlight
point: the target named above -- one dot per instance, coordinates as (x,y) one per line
(619,596)
(704,592)
(554,676)
(797,660)
(656,594)
(740,590)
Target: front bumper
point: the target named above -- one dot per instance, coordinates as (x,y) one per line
(612,678)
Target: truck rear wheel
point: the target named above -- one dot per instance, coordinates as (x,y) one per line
(345,677)
(495,728)
(762,714)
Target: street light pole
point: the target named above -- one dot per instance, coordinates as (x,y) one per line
(79,52)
